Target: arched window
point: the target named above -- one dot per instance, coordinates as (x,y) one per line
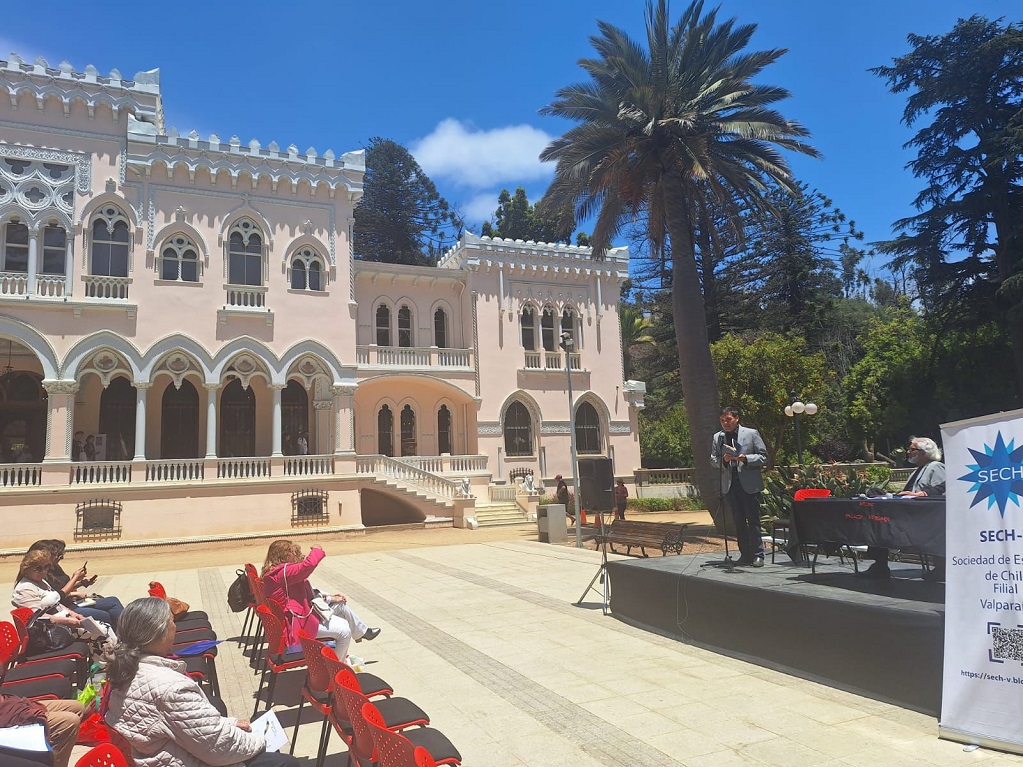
(245,254)
(547,328)
(15,248)
(179,422)
(117,419)
(444,430)
(383,320)
(54,250)
(385,431)
(237,421)
(527,324)
(404,326)
(518,430)
(110,246)
(587,429)
(294,416)
(440,329)
(306,270)
(179,260)
(568,326)
(408,430)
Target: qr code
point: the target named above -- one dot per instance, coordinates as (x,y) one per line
(1007,644)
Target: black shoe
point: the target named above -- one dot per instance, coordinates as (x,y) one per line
(876,571)
(744,561)
(758,561)
(370,635)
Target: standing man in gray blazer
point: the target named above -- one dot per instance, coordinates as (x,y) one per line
(740,454)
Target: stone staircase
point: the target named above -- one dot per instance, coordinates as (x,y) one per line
(496,513)
(419,497)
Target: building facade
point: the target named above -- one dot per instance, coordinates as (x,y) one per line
(190,341)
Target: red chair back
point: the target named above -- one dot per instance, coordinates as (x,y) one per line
(318,673)
(811,492)
(273,627)
(10,645)
(103,755)
(394,749)
(22,615)
(256,585)
(348,697)
(423,758)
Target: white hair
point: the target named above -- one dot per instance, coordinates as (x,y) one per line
(928,447)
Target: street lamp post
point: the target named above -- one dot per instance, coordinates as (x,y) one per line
(793,411)
(567,344)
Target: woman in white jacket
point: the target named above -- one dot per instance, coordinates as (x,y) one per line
(163,714)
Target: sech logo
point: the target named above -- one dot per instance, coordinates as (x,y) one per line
(997,475)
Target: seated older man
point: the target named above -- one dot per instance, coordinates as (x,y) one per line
(927,480)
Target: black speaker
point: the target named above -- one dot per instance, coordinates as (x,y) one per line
(596,484)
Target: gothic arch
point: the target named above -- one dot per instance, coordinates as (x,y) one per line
(30,338)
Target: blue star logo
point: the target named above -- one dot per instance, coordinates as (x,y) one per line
(997,475)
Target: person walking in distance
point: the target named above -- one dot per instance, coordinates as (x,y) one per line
(621,499)
(741,454)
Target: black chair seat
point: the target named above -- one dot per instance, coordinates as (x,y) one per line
(78,648)
(436,742)
(400,712)
(289,657)
(192,615)
(54,687)
(372,685)
(63,666)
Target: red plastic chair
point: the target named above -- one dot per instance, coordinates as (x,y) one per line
(316,690)
(396,714)
(371,685)
(397,749)
(276,658)
(10,650)
(77,651)
(423,758)
(251,626)
(811,492)
(103,755)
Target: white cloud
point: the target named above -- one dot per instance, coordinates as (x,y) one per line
(478,208)
(481,159)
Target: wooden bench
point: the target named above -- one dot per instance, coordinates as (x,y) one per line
(665,536)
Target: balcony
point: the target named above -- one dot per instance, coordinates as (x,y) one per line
(539,361)
(409,357)
(245,300)
(106,288)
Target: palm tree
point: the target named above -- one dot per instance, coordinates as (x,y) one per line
(635,331)
(666,129)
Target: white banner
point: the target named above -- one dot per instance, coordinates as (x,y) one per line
(982,691)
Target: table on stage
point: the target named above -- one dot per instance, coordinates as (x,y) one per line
(912,524)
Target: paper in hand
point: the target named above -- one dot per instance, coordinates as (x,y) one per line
(269,726)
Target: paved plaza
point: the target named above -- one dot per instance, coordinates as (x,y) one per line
(485,638)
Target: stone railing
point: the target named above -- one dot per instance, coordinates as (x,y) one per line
(446,464)
(21,474)
(381,465)
(551,361)
(503,492)
(308,465)
(665,476)
(242,468)
(100,472)
(110,288)
(13,284)
(246,297)
(412,357)
(180,470)
(51,285)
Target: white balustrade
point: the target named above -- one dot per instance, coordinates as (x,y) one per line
(413,357)
(533,361)
(500,493)
(308,465)
(21,474)
(462,464)
(100,472)
(180,470)
(381,465)
(552,361)
(111,288)
(243,468)
(50,285)
(13,284)
(246,296)
(430,463)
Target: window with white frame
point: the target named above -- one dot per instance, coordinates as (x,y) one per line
(245,254)
(383,325)
(54,250)
(440,329)
(15,255)
(547,328)
(527,326)
(306,270)
(111,243)
(179,260)
(404,326)
(587,429)
(518,430)
(568,326)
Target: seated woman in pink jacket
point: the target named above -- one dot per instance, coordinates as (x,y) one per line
(286,580)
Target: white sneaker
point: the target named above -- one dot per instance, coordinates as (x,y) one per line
(758,561)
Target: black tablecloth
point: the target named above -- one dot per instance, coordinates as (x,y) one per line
(916,524)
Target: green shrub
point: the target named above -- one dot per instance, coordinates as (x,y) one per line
(678,503)
(781,483)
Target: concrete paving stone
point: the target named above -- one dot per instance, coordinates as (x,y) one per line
(725,758)
(614,708)
(683,743)
(882,756)
(782,752)
(646,724)
(587,692)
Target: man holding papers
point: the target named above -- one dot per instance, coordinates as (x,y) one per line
(740,454)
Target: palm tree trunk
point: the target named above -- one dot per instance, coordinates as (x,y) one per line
(696,368)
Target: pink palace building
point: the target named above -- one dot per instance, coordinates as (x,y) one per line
(193,308)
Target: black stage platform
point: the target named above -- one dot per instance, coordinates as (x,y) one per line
(882,639)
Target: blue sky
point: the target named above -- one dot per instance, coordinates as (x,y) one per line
(460,83)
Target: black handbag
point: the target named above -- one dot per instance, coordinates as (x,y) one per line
(239,596)
(45,636)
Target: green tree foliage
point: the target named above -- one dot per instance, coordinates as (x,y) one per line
(635,331)
(401,218)
(516,219)
(757,374)
(966,243)
(664,440)
(663,125)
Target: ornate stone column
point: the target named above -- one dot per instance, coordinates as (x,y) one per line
(344,419)
(276,447)
(322,442)
(33,259)
(211,418)
(141,388)
(59,419)
(69,266)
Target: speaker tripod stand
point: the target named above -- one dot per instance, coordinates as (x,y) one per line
(601,574)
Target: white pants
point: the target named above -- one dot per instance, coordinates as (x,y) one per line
(343,627)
